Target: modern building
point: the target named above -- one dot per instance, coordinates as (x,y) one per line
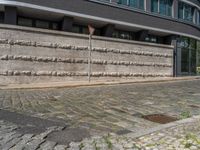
(174,22)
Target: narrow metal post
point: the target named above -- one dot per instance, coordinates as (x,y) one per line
(89,57)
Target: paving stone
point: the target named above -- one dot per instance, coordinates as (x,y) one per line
(100,110)
(47,145)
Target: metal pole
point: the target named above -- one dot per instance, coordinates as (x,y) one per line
(89,58)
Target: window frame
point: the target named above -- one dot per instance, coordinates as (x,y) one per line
(158,9)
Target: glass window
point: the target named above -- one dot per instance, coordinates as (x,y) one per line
(136,3)
(154,6)
(163,7)
(123,2)
(198,18)
(76,29)
(188,14)
(133,3)
(141,4)
(188,59)
(180,10)
(123,35)
(55,26)
(152,39)
(198,57)
(1,17)
(185,12)
(42,24)
(25,22)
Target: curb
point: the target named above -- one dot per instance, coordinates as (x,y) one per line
(86,84)
(162,127)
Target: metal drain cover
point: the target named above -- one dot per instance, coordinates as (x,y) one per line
(160,118)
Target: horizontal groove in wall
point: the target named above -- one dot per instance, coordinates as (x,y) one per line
(65,73)
(71,47)
(71,60)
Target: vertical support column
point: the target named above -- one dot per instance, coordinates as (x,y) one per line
(195,18)
(175,9)
(67,24)
(174,43)
(10,15)
(148,5)
(108,30)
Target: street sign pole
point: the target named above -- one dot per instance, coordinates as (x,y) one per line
(91,32)
(89,57)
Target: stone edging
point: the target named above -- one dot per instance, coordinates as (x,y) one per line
(69,60)
(65,73)
(162,127)
(71,47)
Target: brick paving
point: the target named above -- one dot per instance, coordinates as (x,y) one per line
(100,110)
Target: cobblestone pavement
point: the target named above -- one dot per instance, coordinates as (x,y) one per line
(105,109)
(182,136)
(99,110)
(185,136)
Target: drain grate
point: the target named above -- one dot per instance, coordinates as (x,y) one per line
(160,118)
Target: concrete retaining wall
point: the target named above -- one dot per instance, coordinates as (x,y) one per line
(33,55)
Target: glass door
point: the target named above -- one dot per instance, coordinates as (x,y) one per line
(185,64)
(187,56)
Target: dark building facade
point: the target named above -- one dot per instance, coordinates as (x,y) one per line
(174,22)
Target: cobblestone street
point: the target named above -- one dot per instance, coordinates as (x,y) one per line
(96,111)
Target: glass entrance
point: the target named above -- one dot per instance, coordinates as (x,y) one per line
(187,56)
(185,61)
(198,57)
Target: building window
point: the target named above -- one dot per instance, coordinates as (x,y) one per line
(42,24)
(80,29)
(163,7)
(123,2)
(151,38)
(123,35)
(133,3)
(188,58)
(185,12)
(25,22)
(198,57)
(54,26)
(1,17)
(136,3)
(198,18)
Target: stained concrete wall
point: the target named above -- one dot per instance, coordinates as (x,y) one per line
(30,55)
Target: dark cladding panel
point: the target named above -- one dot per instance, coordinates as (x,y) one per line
(148,5)
(10,15)
(67,24)
(175,8)
(108,30)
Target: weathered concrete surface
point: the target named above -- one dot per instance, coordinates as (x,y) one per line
(34,56)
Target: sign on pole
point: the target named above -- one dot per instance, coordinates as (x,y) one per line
(91,32)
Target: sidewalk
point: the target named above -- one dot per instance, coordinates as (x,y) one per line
(92,83)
